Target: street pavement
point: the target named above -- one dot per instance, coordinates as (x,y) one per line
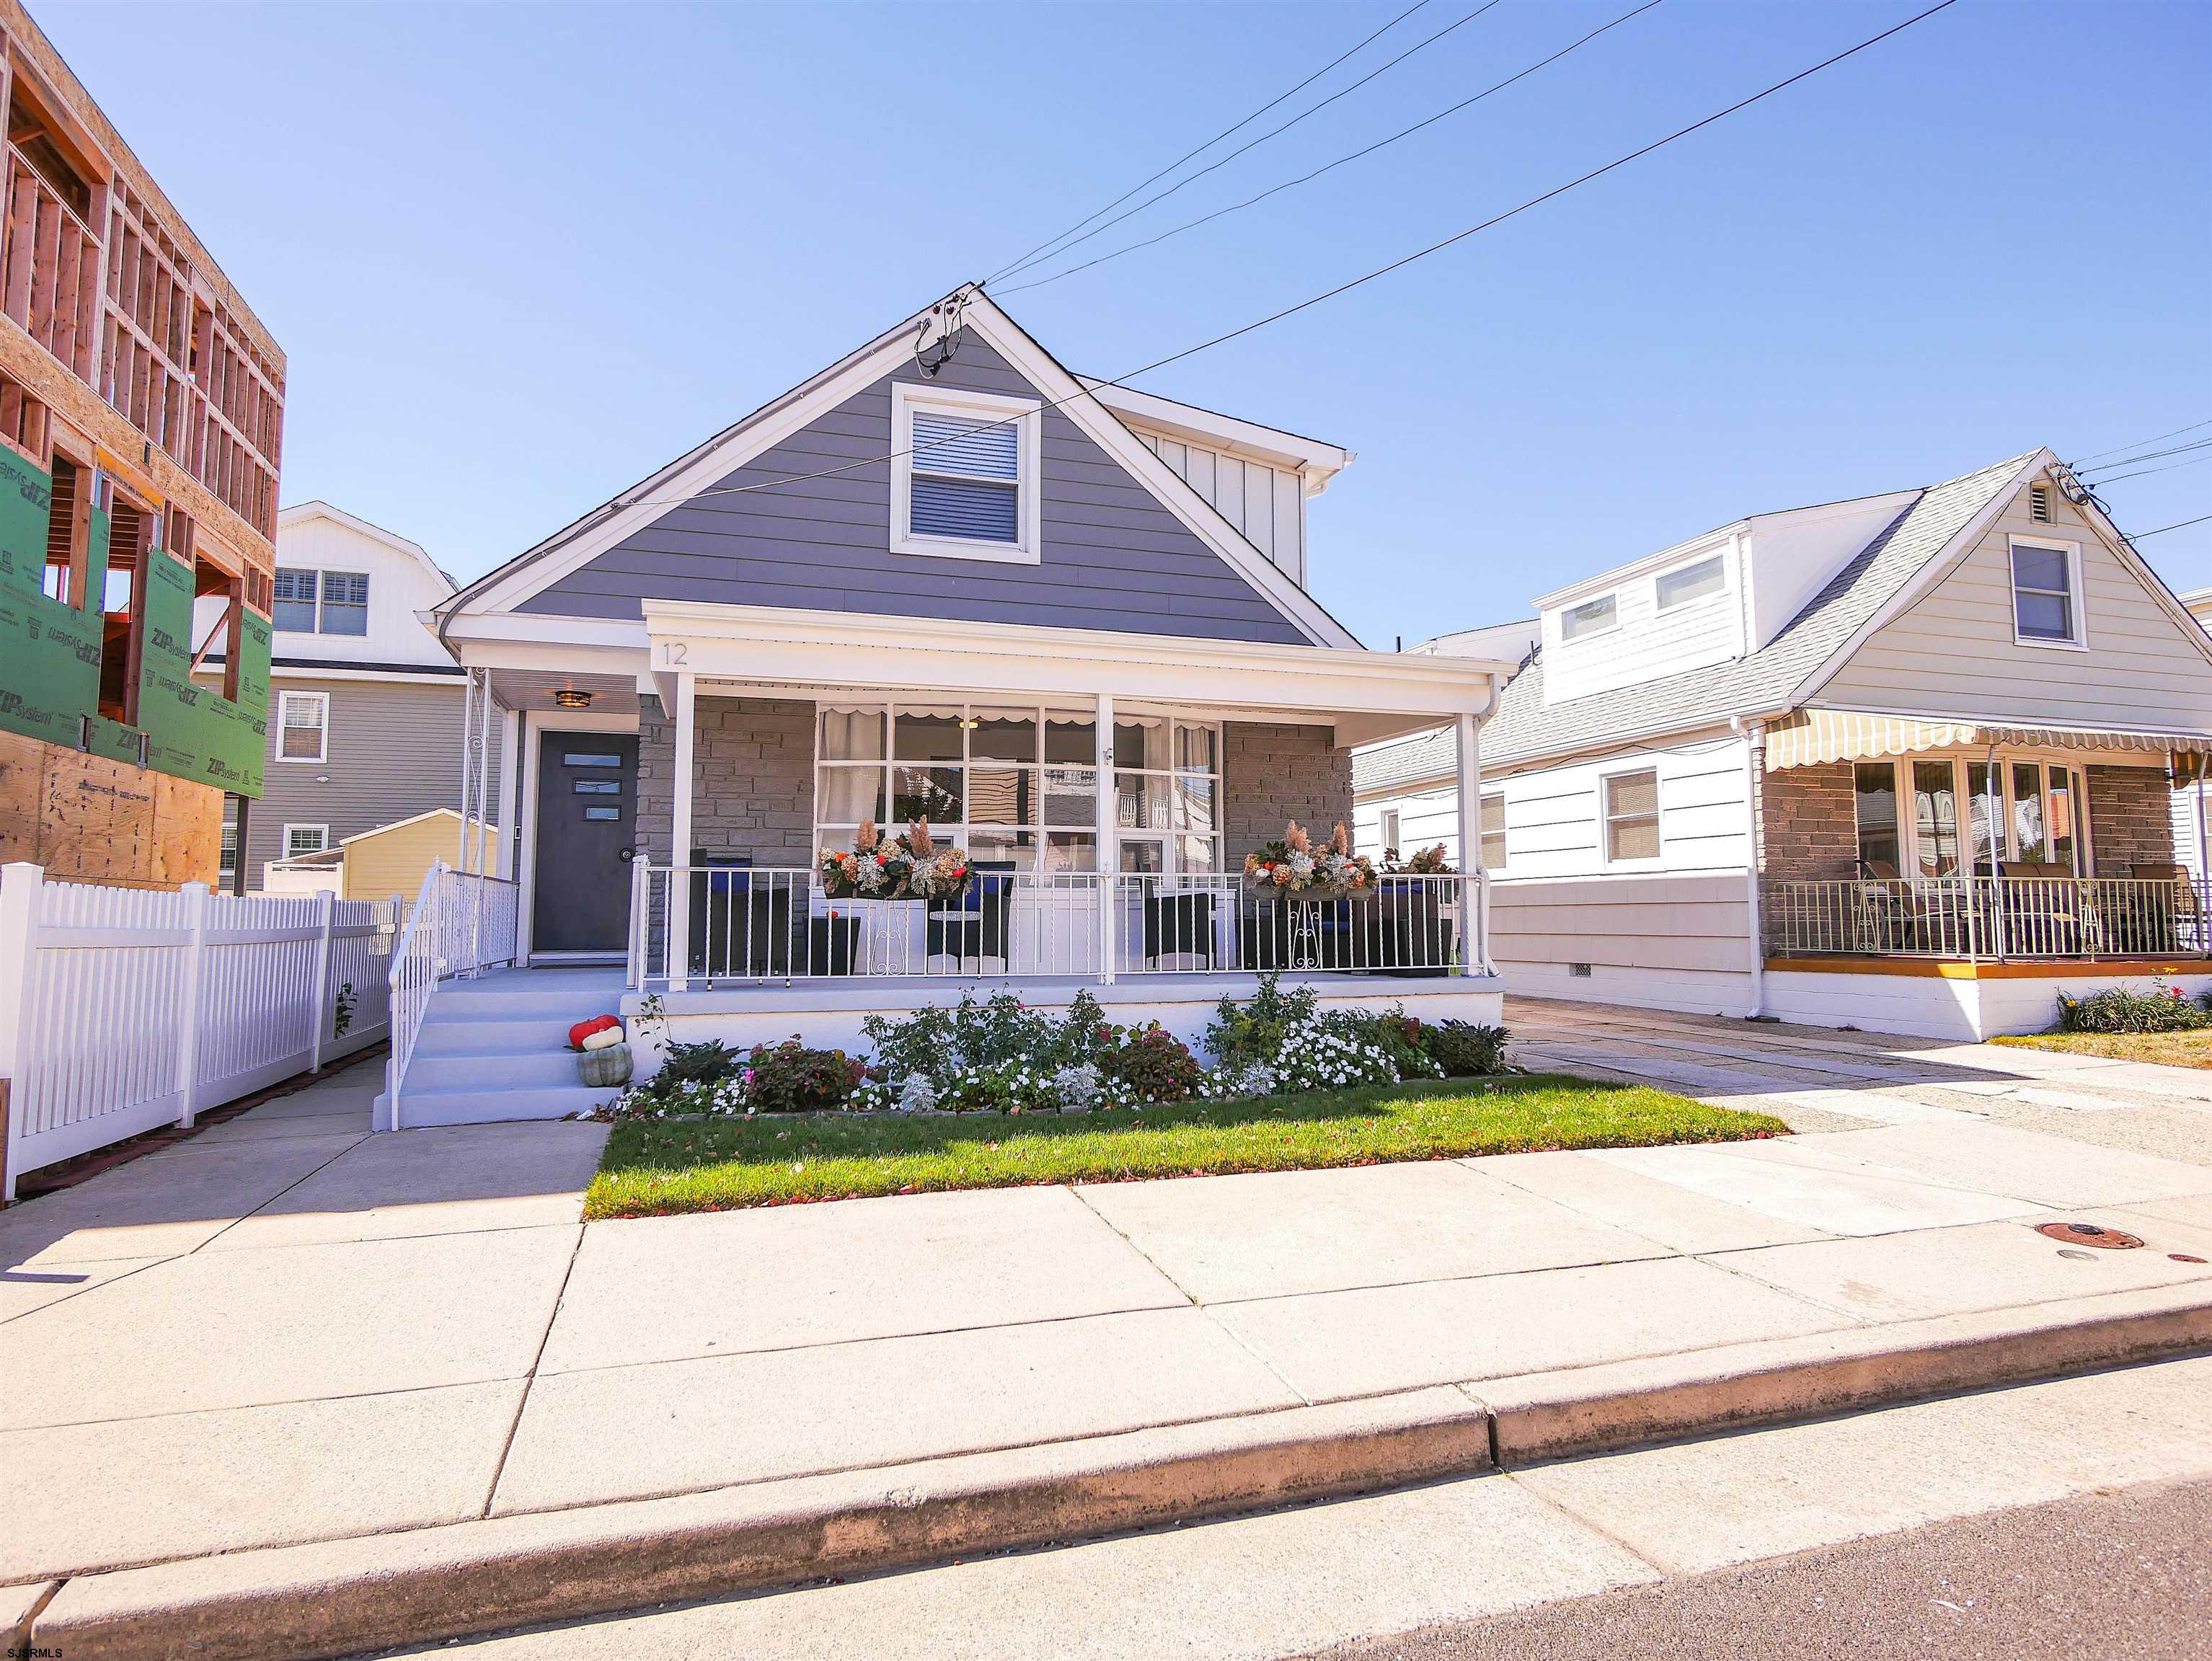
(286,1330)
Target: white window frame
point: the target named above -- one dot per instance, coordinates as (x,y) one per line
(323,831)
(313,602)
(1661,608)
(1599,633)
(1027,415)
(1605,818)
(1390,822)
(2079,606)
(284,701)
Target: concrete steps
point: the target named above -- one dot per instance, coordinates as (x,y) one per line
(496,1048)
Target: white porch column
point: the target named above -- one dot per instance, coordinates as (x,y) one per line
(1110,853)
(1473,880)
(679,837)
(467,732)
(510,791)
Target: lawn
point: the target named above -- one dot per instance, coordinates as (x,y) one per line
(658,1167)
(2188,1049)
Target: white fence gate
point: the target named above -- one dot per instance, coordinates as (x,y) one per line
(124,1008)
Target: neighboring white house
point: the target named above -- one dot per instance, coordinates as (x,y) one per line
(365,706)
(1755,773)
(2192,803)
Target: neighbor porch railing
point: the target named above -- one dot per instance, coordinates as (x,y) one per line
(1989,918)
(747,923)
(462,921)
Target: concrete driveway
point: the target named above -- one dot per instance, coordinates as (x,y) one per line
(286,1330)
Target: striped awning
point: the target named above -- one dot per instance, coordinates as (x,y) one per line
(1813,736)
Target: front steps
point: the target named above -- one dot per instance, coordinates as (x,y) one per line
(496,1048)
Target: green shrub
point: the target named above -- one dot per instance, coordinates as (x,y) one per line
(1251,1035)
(707,1064)
(1392,1032)
(790,1078)
(1465,1049)
(1153,1064)
(936,1040)
(2124,1009)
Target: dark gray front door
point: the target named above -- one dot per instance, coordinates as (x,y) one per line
(586,827)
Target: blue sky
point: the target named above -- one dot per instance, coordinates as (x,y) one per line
(521,256)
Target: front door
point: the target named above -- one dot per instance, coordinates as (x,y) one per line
(586,831)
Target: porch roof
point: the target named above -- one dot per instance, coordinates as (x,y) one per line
(1810,737)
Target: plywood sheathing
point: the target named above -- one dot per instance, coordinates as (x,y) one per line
(88,819)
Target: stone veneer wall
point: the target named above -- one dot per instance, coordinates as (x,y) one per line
(2130,818)
(753,785)
(1808,824)
(1272,772)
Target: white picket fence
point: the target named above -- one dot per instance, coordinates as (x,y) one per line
(126,1009)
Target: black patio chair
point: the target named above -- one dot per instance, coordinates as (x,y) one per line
(975,923)
(1179,924)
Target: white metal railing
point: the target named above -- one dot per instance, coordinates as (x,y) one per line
(754,923)
(462,921)
(126,1009)
(1989,917)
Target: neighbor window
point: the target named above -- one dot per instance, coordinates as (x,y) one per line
(966,479)
(303,839)
(2046,609)
(1631,816)
(1873,791)
(1690,582)
(226,865)
(321,602)
(1389,830)
(303,720)
(1591,617)
(1493,832)
(295,603)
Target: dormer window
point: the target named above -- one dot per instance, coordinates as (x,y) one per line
(1591,617)
(1687,584)
(965,484)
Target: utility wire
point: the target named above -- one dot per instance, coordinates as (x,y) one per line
(1216,138)
(2162,530)
(2148,455)
(2153,438)
(1275,132)
(1308,179)
(1330,294)
(2196,461)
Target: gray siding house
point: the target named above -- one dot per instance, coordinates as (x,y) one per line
(1064,622)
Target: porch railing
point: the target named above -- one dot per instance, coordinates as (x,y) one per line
(760,923)
(1989,918)
(462,921)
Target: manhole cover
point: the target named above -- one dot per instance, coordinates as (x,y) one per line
(2086,1233)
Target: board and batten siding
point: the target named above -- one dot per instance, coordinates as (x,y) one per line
(1265,505)
(1113,556)
(393,750)
(1952,653)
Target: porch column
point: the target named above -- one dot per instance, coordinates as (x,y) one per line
(679,837)
(468,736)
(1109,856)
(1474,880)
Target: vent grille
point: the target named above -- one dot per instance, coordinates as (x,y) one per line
(2038,504)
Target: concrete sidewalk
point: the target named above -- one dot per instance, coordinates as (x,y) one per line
(285,1332)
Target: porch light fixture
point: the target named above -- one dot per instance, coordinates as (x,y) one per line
(569,698)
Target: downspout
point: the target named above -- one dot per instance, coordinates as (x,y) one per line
(1755,734)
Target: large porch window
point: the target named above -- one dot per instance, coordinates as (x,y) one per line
(2038,810)
(1167,794)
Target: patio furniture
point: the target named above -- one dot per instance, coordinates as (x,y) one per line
(2171,916)
(833,944)
(1417,929)
(2047,911)
(739,928)
(972,925)
(1312,931)
(1179,924)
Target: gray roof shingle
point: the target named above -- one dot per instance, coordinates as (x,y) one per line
(1524,727)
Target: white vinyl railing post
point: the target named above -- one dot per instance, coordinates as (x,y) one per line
(188,1040)
(20,893)
(1474,948)
(325,910)
(1107,842)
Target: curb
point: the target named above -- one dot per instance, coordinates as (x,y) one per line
(339,1597)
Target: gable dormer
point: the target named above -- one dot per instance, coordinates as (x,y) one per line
(1672,611)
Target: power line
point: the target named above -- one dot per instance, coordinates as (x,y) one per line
(1342,288)
(1307,178)
(2150,455)
(1218,136)
(2197,461)
(1276,132)
(2183,525)
(2131,444)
